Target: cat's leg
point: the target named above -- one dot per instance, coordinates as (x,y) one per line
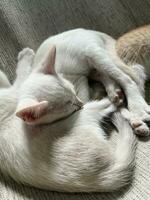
(139,127)
(25,59)
(132,69)
(4,82)
(93,113)
(135,71)
(99,109)
(137,105)
(141,76)
(113,90)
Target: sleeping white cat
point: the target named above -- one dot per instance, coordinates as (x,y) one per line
(71,154)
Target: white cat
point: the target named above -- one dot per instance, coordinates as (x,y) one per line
(70,155)
(80,51)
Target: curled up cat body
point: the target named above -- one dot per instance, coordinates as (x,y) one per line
(81,51)
(71,154)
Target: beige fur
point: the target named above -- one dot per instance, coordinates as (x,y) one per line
(134,47)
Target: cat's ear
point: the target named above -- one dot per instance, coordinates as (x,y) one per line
(33,113)
(48,63)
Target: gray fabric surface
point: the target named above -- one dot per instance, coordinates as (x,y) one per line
(27,23)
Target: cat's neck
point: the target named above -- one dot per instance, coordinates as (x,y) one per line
(57,128)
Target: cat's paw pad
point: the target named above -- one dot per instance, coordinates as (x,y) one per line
(137,123)
(27,54)
(140,128)
(117,97)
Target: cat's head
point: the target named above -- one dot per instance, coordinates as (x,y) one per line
(45,96)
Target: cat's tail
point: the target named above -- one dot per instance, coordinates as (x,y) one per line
(120,172)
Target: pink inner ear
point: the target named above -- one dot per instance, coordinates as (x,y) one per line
(28,117)
(49,62)
(32,113)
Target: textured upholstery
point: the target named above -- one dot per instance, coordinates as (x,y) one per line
(27,23)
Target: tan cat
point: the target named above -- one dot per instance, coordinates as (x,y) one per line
(134,47)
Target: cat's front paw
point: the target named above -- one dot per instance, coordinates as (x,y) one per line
(138,120)
(140,127)
(116,96)
(26,54)
(106,106)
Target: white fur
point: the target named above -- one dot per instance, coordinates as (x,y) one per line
(70,155)
(79,51)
